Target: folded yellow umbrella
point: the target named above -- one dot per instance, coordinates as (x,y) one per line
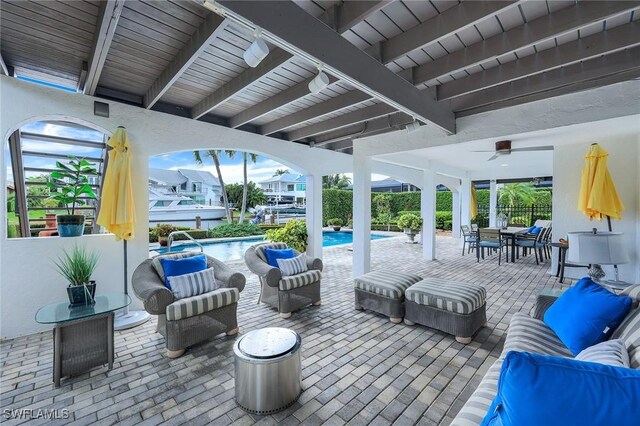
(598,195)
(117,212)
(474,202)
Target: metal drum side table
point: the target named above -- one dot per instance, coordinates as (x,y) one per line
(268,370)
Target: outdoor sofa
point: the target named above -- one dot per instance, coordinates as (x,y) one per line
(527,334)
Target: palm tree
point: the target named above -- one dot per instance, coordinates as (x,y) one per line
(214,154)
(254,158)
(281,172)
(335,181)
(517,193)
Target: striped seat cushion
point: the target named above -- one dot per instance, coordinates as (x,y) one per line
(300,280)
(260,248)
(528,334)
(479,402)
(196,305)
(391,284)
(451,296)
(629,330)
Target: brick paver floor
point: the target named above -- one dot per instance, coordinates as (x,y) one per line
(358,368)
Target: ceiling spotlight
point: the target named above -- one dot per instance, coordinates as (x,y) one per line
(412,127)
(504,165)
(319,83)
(256,53)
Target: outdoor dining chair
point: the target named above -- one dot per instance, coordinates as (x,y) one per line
(468,238)
(536,242)
(490,239)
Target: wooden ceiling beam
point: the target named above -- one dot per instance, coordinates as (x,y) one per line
(315,111)
(593,69)
(602,43)
(354,117)
(536,31)
(212,27)
(306,36)
(109,14)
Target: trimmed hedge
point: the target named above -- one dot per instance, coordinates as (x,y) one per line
(235,230)
(336,203)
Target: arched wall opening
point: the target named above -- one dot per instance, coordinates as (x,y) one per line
(151,133)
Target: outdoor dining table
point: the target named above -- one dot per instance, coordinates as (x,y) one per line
(511,233)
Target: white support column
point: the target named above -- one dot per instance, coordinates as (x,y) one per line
(361,214)
(428,209)
(465,200)
(455,209)
(493,203)
(313,215)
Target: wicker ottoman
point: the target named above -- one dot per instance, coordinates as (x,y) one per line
(453,307)
(383,292)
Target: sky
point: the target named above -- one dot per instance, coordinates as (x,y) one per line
(231,168)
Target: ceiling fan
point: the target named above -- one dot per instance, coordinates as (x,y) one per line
(504,148)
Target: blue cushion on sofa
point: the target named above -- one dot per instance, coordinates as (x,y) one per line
(188,265)
(274,254)
(586,314)
(538,390)
(536,230)
(530,230)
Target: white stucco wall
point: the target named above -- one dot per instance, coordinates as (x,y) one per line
(624,164)
(27,281)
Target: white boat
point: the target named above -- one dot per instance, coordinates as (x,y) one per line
(173,207)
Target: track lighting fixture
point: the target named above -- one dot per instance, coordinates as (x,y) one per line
(319,83)
(256,53)
(412,127)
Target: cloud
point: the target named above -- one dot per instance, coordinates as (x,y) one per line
(374,176)
(232,173)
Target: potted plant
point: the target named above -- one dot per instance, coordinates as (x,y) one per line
(411,223)
(70,187)
(336,223)
(162,231)
(77,267)
(293,233)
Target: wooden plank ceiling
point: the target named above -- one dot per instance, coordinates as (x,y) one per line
(463,58)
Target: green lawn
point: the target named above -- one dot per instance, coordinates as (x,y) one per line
(35,214)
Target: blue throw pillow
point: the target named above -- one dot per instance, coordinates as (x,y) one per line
(586,314)
(536,230)
(188,265)
(545,390)
(530,230)
(274,254)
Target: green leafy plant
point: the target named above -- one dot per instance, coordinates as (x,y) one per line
(77,266)
(410,221)
(385,219)
(517,193)
(336,221)
(235,230)
(294,234)
(69,182)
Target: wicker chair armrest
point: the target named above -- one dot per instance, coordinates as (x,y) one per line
(271,275)
(148,287)
(543,302)
(314,264)
(229,277)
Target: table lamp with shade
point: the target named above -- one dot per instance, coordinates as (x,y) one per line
(598,248)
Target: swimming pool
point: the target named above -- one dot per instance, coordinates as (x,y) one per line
(234,250)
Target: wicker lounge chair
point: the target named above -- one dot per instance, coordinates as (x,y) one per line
(186,322)
(286,294)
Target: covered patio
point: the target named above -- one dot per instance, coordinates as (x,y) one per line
(358,368)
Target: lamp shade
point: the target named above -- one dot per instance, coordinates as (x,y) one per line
(605,248)
(256,53)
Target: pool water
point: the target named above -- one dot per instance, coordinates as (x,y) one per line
(234,250)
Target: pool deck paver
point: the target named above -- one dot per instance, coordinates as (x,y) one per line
(358,368)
